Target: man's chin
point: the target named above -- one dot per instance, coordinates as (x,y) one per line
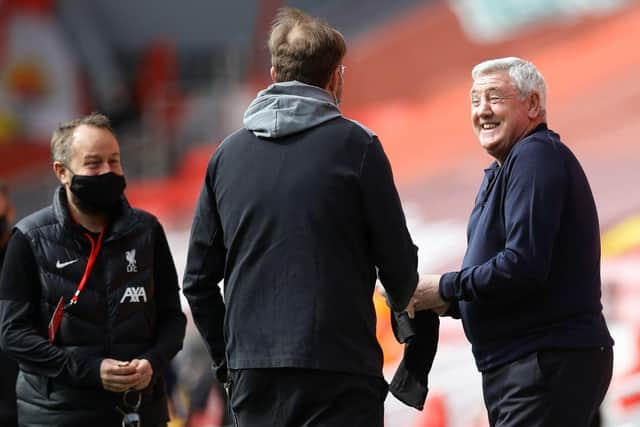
(88,209)
(492,147)
(488,144)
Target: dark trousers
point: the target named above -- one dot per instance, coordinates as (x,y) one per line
(8,375)
(549,388)
(287,397)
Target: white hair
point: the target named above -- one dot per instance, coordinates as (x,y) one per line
(524,75)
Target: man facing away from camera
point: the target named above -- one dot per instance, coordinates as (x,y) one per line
(89,303)
(529,289)
(299,215)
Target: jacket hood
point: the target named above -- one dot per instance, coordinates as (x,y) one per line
(289,107)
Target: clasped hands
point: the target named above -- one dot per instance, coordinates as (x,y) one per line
(427,296)
(120,376)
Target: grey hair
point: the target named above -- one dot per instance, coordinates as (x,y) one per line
(524,75)
(61,139)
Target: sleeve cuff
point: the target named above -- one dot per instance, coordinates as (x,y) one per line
(94,372)
(447,286)
(156,364)
(88,373)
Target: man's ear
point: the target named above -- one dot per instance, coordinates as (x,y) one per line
(273,74)
(61,172)
(534,107)
(334,80)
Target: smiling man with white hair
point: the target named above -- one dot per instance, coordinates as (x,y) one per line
(528,292)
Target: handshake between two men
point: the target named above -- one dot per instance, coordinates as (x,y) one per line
(427,296)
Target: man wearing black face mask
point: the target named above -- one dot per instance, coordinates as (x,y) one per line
(8,368)
(89,302)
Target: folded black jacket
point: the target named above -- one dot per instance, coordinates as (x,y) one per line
(420,338)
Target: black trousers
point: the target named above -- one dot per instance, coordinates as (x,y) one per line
(8,375)
(549,388)
(288,397)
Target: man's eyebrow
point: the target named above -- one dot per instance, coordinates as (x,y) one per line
(99,157)
(490,90)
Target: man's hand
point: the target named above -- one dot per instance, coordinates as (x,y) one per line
(144,368)
(427,296)
(441,310)
(118,376)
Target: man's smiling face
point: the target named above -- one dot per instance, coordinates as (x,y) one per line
(499,113)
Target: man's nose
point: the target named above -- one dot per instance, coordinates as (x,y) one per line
(106,167)
(484,108)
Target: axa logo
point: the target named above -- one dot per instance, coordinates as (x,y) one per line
(132,266)
(135,294)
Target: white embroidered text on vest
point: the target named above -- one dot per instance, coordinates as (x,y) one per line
(134,293)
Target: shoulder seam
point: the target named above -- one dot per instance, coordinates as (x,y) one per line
(368,131)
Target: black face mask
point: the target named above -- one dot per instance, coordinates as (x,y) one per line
(97,193)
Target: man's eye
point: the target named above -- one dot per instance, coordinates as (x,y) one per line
(475,102)
(495,99)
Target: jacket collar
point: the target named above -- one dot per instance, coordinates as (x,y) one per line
(122,220)
(540,128)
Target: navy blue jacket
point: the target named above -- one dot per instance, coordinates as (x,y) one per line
(530,278)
